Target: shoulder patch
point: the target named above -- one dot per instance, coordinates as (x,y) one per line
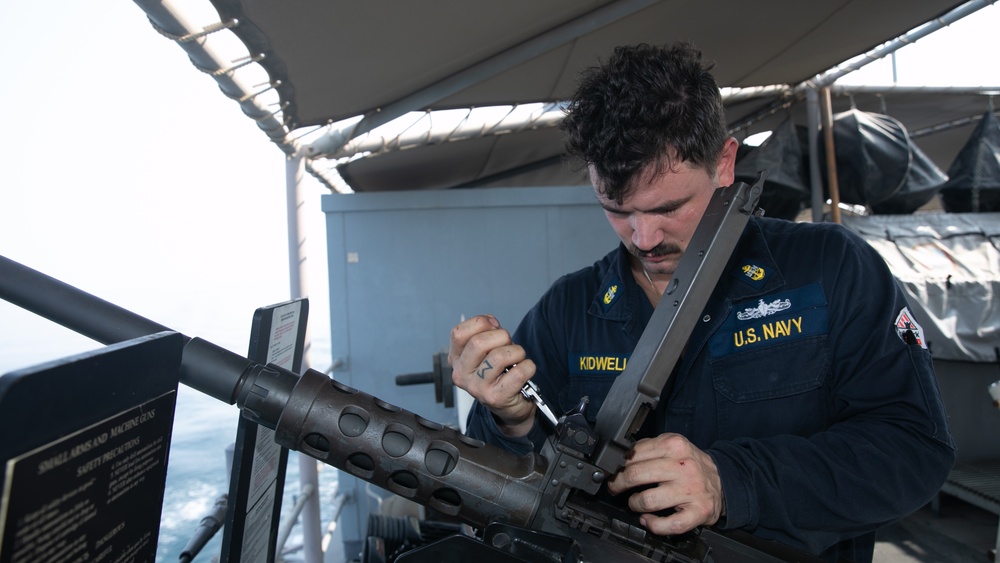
(752,274)
(908,329)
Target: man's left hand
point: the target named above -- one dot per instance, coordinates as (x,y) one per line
(684,477)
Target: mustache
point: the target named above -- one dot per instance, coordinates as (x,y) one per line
(662,249)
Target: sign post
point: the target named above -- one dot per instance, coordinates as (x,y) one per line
(258,475)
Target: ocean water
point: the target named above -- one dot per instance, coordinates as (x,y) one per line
(196,470)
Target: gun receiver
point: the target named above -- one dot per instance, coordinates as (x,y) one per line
(547,501)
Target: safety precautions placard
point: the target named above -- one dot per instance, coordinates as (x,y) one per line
(93,495)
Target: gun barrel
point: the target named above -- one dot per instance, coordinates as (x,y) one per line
(70,307)
(206,367)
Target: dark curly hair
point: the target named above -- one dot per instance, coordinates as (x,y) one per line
(645,105)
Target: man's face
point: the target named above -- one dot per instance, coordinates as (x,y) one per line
(657,219)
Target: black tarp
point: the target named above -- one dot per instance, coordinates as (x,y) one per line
(879,166)
(974,176)
(786,189)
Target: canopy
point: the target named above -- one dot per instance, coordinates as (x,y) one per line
(349,67)
(334,59)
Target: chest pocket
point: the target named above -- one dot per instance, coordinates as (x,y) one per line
(769,361)
(774,390)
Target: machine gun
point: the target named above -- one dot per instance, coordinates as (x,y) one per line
(538,507)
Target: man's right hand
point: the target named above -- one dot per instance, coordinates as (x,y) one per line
(486,363)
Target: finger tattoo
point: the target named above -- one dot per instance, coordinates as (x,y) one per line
(482,372)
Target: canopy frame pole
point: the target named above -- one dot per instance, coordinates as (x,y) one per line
(312,533)
(815,177)
(831,154)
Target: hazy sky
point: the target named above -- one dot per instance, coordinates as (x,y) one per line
(127,173)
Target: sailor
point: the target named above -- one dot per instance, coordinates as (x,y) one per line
(804,408)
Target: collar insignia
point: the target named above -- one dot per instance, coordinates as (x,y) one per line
(754,272)
(609,295)
(751,274)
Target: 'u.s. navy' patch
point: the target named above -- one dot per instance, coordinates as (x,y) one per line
(750,273)
(611,294)
(905,323)
(777,318)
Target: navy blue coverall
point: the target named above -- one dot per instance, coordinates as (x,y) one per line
(807,381)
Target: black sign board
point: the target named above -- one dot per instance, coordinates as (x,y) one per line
(258,475)
(84,443)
